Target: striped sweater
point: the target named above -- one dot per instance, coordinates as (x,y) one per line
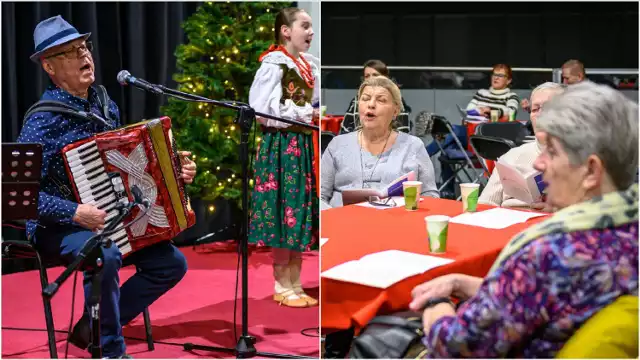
(505,100)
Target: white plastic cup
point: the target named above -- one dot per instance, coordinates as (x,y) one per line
(437,229)
(470,193)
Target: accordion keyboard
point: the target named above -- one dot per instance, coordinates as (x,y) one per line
(99,188)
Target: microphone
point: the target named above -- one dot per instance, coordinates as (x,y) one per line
(125,78)
(137,197)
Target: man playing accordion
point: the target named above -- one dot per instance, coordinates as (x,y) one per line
(63,225)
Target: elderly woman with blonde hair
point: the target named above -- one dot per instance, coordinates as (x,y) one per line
(377,154)
(551,278)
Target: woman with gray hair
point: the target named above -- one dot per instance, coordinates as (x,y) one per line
(551,278)
(377,154)
(521,157)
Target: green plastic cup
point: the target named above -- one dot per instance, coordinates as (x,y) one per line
(470,193)
(438,229)
(411,190)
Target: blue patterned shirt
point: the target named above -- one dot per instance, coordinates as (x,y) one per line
(55,131)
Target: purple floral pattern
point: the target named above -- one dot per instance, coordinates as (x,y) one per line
(541,295)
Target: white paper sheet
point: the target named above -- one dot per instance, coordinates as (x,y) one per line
(497,218)
(383,269)
(323,241)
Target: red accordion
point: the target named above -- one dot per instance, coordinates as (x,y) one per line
(104,168)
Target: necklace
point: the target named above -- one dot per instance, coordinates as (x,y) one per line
(301,64)
(377,160)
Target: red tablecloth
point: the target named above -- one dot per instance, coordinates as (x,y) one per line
(331,123)
(355,231)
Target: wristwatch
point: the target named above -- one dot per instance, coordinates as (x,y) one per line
(439,300)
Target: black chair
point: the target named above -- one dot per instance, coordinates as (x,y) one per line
(25,249)
(513,131)
(490,148)
(458,159)
(325,139)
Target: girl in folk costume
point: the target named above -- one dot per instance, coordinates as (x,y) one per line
(284,211)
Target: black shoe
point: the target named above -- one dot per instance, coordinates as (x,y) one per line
(81,334)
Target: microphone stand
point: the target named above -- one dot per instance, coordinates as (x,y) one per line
(91,253)
(246,117)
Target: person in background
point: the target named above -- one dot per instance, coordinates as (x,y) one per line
(498,97)
(521,157)
(572,73)
(284,210)
(376,154)
(351,121)
(554,276)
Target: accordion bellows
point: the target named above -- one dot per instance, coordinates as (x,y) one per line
(104,168)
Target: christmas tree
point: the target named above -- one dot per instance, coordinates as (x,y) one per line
(219,62)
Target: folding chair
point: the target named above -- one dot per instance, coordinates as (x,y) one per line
(457,159)
(26,250)
(512,131)
(490,148)
(325,139)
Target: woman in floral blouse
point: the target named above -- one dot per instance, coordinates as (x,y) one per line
(554,276)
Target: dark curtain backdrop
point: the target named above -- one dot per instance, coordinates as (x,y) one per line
(139,37)
(521,34)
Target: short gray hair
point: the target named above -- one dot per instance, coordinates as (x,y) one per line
(595,119)
(548,85)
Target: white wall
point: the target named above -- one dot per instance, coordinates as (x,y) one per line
(313,9)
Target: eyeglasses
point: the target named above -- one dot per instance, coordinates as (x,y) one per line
(75,51)
(376,201)
(499,75)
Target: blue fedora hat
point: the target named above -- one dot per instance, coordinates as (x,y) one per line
(52,32)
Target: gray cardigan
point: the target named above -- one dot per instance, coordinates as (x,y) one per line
(341,167)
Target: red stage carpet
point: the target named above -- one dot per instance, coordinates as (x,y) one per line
(198,310)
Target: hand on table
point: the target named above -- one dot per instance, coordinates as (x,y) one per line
(90,217)
(542,206)
(443,286)
(188,167)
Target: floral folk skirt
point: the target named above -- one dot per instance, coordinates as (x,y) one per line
(284,203)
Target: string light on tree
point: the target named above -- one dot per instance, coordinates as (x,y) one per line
(233,46)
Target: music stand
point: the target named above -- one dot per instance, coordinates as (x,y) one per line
(21,174)
(21,164)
